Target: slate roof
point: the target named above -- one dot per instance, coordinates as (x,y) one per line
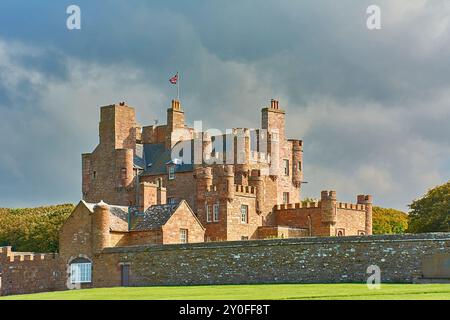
(119,216)
(154,159)
(154,217)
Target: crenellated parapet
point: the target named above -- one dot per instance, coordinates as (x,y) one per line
(328,217)
(245,190)
(7,255)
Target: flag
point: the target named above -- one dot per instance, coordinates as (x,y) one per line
(174,79)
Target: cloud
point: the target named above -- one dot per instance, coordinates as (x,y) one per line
(372,107)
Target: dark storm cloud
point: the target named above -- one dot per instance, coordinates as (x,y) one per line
(372,107)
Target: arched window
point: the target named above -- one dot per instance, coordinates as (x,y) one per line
(80,270)
(340,233)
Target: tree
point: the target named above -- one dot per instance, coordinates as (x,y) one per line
(33,230)
(388,221)
(431,213)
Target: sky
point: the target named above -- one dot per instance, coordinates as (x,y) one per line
(372,106)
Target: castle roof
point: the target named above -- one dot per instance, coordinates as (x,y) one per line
(154,217)
(153,159)
(119,216)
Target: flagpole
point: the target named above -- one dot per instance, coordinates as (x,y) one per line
(178,87)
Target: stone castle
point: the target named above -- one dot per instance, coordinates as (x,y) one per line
(162,203)
(246,184)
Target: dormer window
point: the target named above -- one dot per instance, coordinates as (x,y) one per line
(171,172)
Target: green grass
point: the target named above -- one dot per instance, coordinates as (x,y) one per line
(246,292)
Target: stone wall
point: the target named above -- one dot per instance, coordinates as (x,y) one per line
(22,273)
(305,260)
(401,258)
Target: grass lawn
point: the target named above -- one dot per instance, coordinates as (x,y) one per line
(246,292)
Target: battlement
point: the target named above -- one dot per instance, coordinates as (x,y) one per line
(296,144)
(211,188)
(298,205)
(351,206)
(7,254)
(314,205)
(245,189)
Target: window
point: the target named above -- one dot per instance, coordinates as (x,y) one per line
(340,232)
(183,236)
(216,212)
(244,238)
(274,136)
(80,271)
(299,166)
(171,200)
(286,167)
(123,173)
(285,197)
(94,175)
(244,214)
(361,233)
(208,213)
(171,172)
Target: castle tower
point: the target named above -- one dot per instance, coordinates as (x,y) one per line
(273,119)
(328,201)
(256,181)
(100,227)
(107,173)
(227,189)
(117,128)
(124,168)
(367,200)
(175,121)
(297,158)
(203,177)
(242,150)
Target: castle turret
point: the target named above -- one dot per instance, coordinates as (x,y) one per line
(100,227)
(124,168)
(367,200)
(297,157)
(227,189)
(328,204)
(242,153)
(206,148)
(256,181)
(203,177)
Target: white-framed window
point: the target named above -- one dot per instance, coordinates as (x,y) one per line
(244,213)
(208,213)
(216,212)
(285,197)
(183,236)
(171,172)
(286,167)
(81,271)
